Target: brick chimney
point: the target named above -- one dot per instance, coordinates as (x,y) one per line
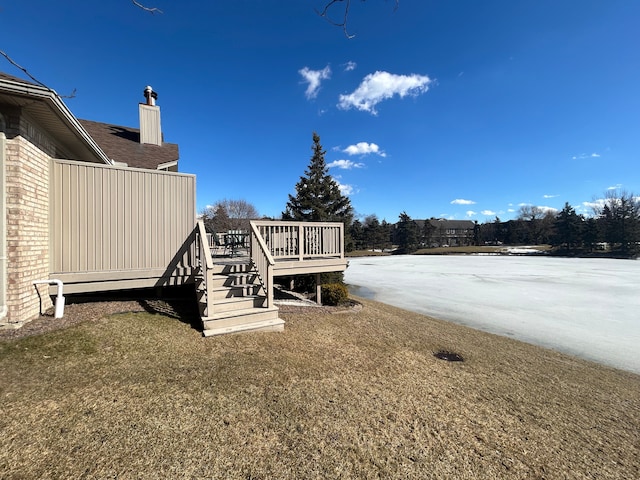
(150,130)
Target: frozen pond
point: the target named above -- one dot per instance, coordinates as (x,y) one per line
(585,307)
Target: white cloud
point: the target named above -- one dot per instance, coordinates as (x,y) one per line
(345,189)
(617,186)
(547,209)
(595,205)
(380,86)
(364,148)
(488,213)
(314,78)
(462,201)
(550,196)
(470,213)
(350,66)
(584,156)
(540,208)
(345,164)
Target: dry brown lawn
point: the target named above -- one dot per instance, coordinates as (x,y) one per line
(349,395)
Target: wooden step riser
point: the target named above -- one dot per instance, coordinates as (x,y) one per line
(228,306)
(231,321)
(235,292)
(276,325)
(232,305)
(229,269)
(233,280)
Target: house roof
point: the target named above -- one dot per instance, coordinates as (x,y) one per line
(47,108)
(85,139)
(122,144)
(448,224)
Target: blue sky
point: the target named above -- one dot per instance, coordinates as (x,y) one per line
(461,109)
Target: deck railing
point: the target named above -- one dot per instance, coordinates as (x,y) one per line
(271,241)
(203,252)
(301,240)
(263,262)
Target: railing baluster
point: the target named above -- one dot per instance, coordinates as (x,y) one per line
(302,240)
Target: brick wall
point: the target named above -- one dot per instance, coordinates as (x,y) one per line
(27,157)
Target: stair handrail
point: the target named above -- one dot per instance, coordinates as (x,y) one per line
(204,251)
(262,261)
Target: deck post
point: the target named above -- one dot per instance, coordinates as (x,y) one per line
(301,242)
(318,289)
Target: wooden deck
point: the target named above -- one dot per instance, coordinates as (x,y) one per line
(235,288)
(295,248)
(286,267)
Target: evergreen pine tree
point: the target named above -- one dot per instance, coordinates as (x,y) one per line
(407,234)
(428,231)
(386,229)
(568,228)
(356,231)
(318,197)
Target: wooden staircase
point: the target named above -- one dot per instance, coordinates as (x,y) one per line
(232,299)
(236,293)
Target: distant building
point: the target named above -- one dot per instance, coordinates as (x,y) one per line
(452,233)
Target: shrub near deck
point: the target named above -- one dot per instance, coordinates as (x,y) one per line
(356,395)
(334,294)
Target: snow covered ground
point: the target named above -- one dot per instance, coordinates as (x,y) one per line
(585,307)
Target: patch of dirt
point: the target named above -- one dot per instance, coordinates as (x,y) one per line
(73,314)
(84,308)
(292,302)
(448,356)
(350,307)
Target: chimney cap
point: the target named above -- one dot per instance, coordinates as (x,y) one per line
(150,95)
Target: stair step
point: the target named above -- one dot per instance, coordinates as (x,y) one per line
(274,325)
(236,291)
(239,317)
(233,304)
(231,268)
(230,280)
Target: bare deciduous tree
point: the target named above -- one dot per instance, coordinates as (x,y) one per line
(151,10)
(344,13)
(530,212)
(229,214)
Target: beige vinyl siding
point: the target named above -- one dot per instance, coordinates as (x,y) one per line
(111,223)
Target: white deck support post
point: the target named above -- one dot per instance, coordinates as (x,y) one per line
(301,242)
(318,289)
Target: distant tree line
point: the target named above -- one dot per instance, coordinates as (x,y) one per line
(614,227)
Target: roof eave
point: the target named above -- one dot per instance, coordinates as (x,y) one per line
(58,106)
(168,166)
